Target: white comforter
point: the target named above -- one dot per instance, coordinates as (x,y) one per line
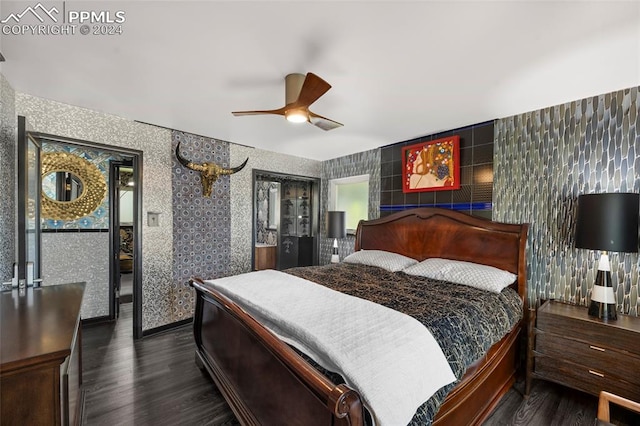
(390,358)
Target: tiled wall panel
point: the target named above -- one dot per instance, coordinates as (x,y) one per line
(476,175)
(543,160)
(201,225)
(361,163)
(7,178)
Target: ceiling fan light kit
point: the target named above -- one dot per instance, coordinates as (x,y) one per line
(296,115)
(300,92)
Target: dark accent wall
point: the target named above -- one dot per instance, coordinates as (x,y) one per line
(476,175)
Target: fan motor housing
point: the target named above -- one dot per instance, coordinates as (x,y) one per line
(292,86)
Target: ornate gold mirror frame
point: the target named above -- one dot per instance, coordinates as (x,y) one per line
(94,186)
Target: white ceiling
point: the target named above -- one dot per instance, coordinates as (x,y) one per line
(399,70)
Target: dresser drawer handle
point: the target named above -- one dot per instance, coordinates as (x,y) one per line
(596,348)
(595,373)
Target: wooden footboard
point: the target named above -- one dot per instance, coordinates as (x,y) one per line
(263,380)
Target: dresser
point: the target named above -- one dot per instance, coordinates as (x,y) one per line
(41,359)
(585,353)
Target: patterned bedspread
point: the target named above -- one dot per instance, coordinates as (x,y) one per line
(465,321)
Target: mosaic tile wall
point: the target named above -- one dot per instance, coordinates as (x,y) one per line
(543,160)
(263,234)
(476,175)
(361,163)
(8,123)
(242,198)
(66,257)
(201,225)
(157,242)
(99,218)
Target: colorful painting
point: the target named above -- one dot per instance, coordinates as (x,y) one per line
(431,165)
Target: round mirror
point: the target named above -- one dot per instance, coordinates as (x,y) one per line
(62,186)
(72,187)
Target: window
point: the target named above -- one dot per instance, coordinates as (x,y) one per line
(350,195)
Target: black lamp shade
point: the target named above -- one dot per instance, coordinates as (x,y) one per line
(336,225)
(608,222)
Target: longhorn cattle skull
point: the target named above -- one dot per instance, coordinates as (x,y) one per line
(209,172)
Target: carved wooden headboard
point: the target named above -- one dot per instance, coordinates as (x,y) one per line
(432,232)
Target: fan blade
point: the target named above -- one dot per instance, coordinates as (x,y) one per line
(312,88)
(279,111)
(323,122)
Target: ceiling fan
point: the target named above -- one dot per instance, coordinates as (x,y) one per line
(300,92)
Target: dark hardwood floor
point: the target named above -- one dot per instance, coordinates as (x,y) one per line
(154,381)
(550,404)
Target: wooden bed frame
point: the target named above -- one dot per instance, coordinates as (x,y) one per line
(266,382)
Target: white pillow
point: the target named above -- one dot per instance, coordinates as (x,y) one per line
(392,262)
(472,274)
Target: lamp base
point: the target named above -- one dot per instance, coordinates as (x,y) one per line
(605,311)
(335,256)
(603,299)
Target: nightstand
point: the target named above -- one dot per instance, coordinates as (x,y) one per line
(585,353)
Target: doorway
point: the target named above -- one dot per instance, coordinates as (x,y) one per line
(285,220)
(95,238)
(122,191)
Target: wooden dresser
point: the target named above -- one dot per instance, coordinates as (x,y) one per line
(585,353)
(41,360)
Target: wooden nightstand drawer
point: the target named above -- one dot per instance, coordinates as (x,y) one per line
(569,347)
(583,378)
(572,321)
(599,358)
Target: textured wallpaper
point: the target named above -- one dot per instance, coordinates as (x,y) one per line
(8,125)
(242,200)
(66,258)
(361,163)
(543,160)
(157,242)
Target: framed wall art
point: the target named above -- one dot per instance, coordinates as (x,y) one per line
(431,165)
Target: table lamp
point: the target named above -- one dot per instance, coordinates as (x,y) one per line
(607,222)
(336,228)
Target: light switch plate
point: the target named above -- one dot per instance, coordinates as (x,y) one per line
(153,219)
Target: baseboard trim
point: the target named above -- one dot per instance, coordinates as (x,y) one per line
(166,327)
